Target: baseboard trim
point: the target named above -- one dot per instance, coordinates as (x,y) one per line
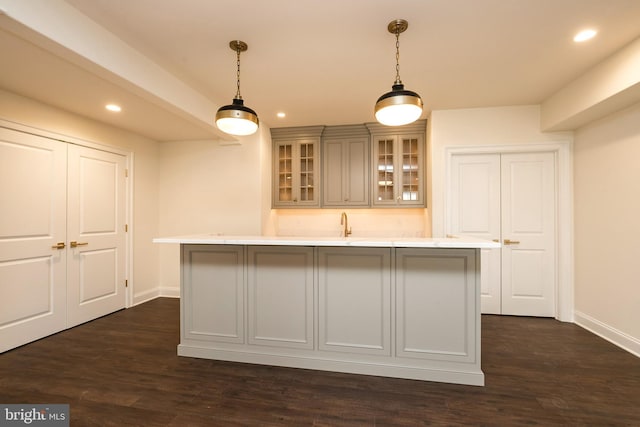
(614,336)
(145,296)
(170,292)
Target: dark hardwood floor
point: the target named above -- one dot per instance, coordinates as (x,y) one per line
(122,370)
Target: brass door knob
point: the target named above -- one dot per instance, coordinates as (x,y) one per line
(59,245)
(511,242)
(76,244)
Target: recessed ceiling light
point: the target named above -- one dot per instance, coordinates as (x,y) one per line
(584,35)
(281,115)
(113,107)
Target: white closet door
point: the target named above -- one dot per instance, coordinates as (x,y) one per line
(96,223)
(475,211)
(32,222)
(510,198)
(528,233)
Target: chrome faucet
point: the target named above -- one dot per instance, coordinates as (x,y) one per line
(345,221)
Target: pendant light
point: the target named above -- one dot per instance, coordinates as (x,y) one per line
(236,118)
(398,107)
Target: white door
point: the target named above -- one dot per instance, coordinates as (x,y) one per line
(509,198)
(528,234)
(33,178)
(475,211)
(96,233)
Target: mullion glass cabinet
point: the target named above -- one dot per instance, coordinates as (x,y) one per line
(398,166)
(296,167)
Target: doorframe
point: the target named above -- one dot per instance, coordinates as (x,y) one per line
(19,127)
(562,150)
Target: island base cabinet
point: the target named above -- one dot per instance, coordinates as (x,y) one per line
(396,312)
(212,304)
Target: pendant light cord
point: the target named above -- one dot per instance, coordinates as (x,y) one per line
(238,96)
(398,81)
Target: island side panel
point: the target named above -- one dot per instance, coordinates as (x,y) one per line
(212,295)
(436,305)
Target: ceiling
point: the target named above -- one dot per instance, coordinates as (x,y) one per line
(325,62)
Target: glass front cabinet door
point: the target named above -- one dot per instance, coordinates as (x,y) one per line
(296,168)
(398,168)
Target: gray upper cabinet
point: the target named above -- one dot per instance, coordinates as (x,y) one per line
(349,166)
(398,164)
(345,166)
(296,167)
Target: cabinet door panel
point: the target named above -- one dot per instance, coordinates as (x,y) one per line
(213,304)
(357,165)
(354,307)
(398,170)
(345,172)
(333,173)
(296,176)
(284,172)
(281,296)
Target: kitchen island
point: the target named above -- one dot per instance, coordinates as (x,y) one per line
(406,308)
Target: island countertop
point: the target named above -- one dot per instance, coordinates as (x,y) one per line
(462,242)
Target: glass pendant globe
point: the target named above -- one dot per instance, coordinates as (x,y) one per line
(239,127)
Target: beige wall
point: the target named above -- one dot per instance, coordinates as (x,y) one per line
(30,113)
(207,187)
(607,229)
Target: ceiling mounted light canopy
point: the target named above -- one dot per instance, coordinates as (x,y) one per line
(236,118)
(398,107)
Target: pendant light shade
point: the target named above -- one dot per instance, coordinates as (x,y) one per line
(236,118)
(398,107)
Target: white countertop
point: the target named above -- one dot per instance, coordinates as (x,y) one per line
(379,242)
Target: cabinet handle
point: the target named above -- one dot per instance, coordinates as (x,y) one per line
(511,242)
(59,245)
(76,244)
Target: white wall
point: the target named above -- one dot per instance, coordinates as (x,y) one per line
(27,112)
(607,227)
(207,187)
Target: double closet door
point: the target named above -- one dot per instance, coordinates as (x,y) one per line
(62,236)
(511,199)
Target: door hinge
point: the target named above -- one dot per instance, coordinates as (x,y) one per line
(126,228)
(126,283)
(126,173)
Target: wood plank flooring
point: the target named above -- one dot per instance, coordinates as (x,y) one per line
(122,370)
